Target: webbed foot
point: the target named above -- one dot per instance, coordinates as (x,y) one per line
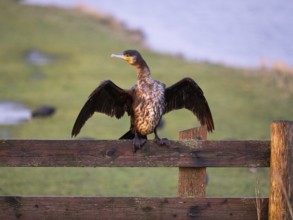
(138,143)
(162,141)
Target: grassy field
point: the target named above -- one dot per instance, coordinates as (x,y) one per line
(243,102)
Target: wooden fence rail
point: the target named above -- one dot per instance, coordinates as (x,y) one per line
(108,153)
(190,155)
(56,208)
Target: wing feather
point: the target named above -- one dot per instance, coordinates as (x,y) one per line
(107,98)
(187,94)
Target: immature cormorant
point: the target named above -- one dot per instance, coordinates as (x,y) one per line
(145,102)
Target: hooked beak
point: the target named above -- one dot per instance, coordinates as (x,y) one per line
(118,56)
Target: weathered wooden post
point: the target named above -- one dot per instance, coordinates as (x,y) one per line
(192,181)
(281,177)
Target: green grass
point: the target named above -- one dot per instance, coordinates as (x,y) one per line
(242,103)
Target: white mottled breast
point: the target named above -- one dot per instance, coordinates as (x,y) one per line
(149,106)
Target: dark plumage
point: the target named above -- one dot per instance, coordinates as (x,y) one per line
(145,102)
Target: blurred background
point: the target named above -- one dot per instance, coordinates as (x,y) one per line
(53,54)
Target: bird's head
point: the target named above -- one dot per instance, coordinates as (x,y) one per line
(132,57)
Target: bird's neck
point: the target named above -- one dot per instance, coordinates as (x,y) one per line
(143,75)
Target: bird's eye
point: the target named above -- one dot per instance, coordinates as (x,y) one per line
(127,55)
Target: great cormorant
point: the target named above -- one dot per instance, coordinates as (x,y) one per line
(146,102)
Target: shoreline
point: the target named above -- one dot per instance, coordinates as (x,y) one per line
(138,36)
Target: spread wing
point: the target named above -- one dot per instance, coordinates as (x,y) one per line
(107,98)
(187,94)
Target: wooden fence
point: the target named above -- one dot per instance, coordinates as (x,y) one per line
(192,154)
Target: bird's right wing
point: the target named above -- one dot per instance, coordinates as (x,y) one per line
(107,98)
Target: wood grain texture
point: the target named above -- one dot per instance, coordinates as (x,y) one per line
(108,153)
(28,208)
(281,178)
(192,181)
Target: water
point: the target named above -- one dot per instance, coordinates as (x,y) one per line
(239,33)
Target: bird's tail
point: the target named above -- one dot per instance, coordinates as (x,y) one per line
(128,135)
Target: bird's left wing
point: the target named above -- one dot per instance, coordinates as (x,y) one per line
(187,94)
(107,98)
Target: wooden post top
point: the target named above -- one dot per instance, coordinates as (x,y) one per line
(192,181)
